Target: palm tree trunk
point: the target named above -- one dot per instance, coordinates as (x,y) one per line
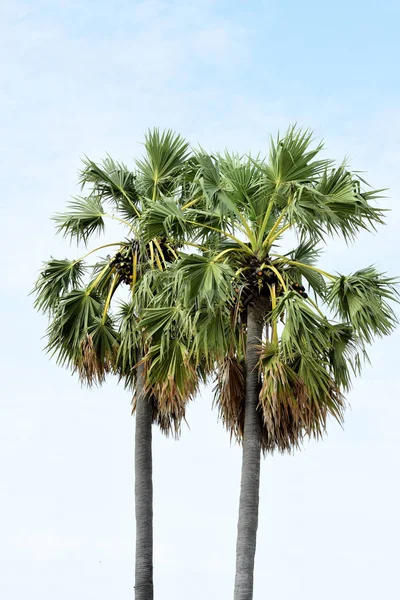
(143,492)
(250,482)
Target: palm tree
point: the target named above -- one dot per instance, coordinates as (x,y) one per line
(96,331)
(283,357)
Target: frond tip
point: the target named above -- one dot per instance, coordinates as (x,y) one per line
(55,279)
(363,300)
(83,219)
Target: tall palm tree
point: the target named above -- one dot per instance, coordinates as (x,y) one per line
(94,310)
(283,356)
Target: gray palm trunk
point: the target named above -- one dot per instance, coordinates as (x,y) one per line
(143,492)
(250,481)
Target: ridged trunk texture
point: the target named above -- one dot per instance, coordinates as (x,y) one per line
(250,481)
(143,493)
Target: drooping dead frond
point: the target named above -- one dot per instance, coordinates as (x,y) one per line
(93,368)
(170,403)
(169,423)
(296,400)
(171,381)
(229,394)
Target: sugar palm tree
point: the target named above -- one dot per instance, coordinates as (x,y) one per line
(94,310)
(283,356)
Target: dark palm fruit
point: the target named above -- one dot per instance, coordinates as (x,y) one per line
(302,288)
(305,296)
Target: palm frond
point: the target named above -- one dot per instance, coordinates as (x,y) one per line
(363,300)
(56,278)
(345,354)
(243,180)
(303,329)
(229,394)
(164,218)
(347,209)
(296,399)
(112,182)
(99,349)
(207,280)
(76,313)
(83,219)
(131,342)
(164,160)
(171,376)
(292,158)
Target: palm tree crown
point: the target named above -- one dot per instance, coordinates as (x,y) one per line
(314,339)
(282,356)
(93,329)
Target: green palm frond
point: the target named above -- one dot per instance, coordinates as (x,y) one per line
(213,332)
(307,252)
(324,395)
(243,181)
(303,329)
(332,205)
(157,321)
(164,218)
(165,159)
(131,342)
(112,182)
(363,300)
(76,312)
(292,158)
(84,218)
(56,278)
(209,176)
(207,280)
(345,354)
(348,210)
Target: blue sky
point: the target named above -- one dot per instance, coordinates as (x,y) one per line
(89,78)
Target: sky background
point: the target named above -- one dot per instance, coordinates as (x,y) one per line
(89,78)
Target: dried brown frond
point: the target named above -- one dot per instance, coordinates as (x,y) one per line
(291,410)
(170,399)
(229,394)
(170,404)
(169,423)
(91,368)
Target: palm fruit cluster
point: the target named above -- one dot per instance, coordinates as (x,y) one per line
(300,289)
(259,278)
(122,262)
